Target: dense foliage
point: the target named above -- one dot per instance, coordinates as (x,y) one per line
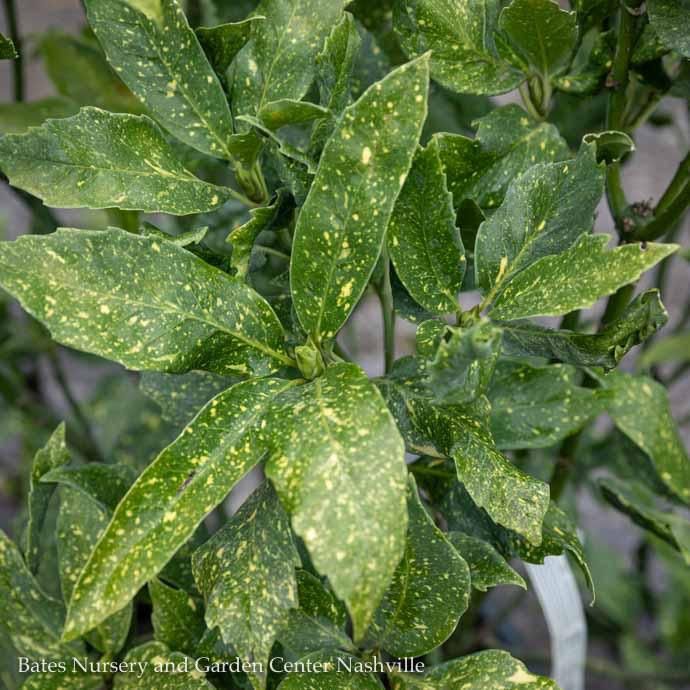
(263,171)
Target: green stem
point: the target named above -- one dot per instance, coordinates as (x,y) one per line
(388,313)
(666,220)
(79,416)
(527,101)
(17,63)
(273,252)
(616,106)
(617,304)
(676,185)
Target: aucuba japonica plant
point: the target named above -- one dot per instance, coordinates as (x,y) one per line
(256,174)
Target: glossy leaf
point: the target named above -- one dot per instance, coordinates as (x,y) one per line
(460,35)
(320,449)
(511,497)
(51,456)
(423,242)
(638,502)
(429,592)
(280,59)
(640,409)
(487,567)
(222,43)
(246,573)
(81,521)
(318,622)
(17,118)
(31,619)
(103,484)
(145,303)
(538,36)
(643,317)
(97,159)
(535,407)
(341,227)
(335,67)
(576,278)
(153,657)
(611,146)
(177,617)
(155,52)
(244,237)
(463,362)
(544,212)
(670,20)
(490,669)
(507,143)
(170,498)
(558,533)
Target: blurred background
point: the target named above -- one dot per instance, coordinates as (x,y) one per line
(108,414)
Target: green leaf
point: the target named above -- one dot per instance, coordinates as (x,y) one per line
(640,409)
(51,456)
(673,348)
(80,72)
(63,681)
(287,111)
(31,619)
(97,159)
(487,567)
(611,146)
(177,617)
(460,35)
(424,243)
(244,237)
(280,59)
(17,118)
(643,317)
(170,498)
(7,49)
(222,43)
(538,37)
(670,18)
(154,657)
(639,503)
(104,484)
(246,573)
(183,239)
(332,671)
(145,303)
(512,498)
(360,175)
(319,621)
(429,592)
(558,533)
(335,437)
(576,278)
(536,407)
(334,72)
(463,362)
(546,209)
(155,52)
(507,143)
(490,669)
(81,521)
(181,396)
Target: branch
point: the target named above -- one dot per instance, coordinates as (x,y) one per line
(18,62)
